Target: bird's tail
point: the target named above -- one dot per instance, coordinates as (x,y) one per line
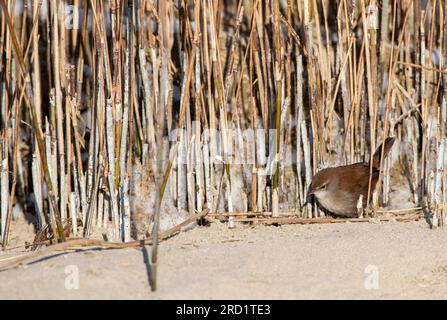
(386,149)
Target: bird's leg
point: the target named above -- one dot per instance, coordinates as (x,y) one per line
(360,206)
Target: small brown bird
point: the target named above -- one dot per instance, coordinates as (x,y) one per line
(338,189)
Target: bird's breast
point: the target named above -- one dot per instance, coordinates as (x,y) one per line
(338,203)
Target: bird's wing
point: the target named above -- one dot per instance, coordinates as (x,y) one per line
(353,178)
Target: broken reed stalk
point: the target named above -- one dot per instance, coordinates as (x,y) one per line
(396,212)
(289,220)
(88,244)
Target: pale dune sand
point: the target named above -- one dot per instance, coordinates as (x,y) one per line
(261,262)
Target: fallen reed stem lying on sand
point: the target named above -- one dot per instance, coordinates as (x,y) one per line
(86,244)
(298,213)
(400,218)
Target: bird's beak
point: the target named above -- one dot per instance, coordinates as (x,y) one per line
(308,199)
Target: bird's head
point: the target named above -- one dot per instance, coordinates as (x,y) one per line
(321,184)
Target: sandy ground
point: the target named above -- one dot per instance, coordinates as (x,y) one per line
(348,260)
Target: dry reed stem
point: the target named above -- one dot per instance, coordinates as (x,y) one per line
(88,244)
(288,220)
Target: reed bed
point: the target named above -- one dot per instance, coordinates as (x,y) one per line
(119,116)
